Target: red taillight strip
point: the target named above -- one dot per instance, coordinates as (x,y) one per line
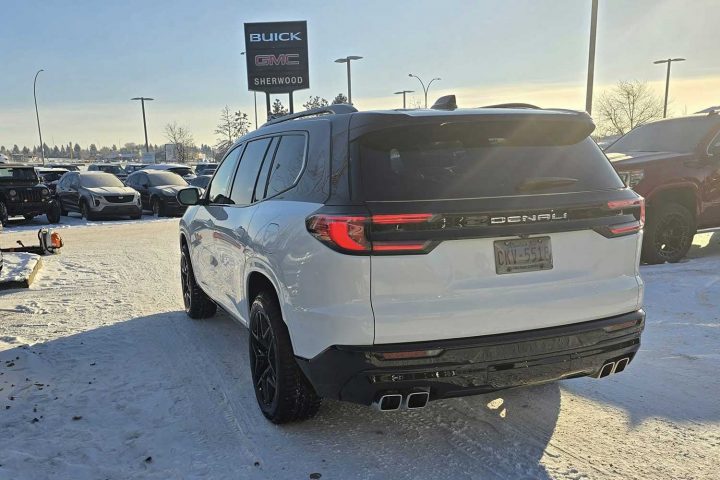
(625,228)
(350,233)
(398,247)
(636,202)
(401,219)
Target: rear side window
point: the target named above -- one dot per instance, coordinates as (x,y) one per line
(220,185)
(247,172)
(288,164)
(474,160)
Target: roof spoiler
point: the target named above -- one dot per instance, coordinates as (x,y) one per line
(448,102)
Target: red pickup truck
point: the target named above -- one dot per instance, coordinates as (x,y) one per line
(675,165)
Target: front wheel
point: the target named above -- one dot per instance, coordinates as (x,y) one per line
(85,211)
(668,234)
(282,391)
(158,208)
(54,212)
(3,214)
(197,303)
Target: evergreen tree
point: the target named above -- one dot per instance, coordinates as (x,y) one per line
(341,98)
(315,102)
(278,109)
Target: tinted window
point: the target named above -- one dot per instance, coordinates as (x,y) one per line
(182,171)
(220,185)
(247,173)
(100,180)
(454,161)
(165,178)
(200,181)
(265,169)
(18,174)
(287,165)
(680,136)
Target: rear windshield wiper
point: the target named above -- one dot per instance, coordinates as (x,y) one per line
(541,183)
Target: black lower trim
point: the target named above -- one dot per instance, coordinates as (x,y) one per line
(468,366)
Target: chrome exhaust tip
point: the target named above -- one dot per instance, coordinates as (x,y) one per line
(417,400)
(606,370)
(621,364)
(389,402)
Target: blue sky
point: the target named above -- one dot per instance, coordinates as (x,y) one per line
(186,54)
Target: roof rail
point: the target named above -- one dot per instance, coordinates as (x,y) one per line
(338,108)
(513,105)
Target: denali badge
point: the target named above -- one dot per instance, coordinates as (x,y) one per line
(538,217)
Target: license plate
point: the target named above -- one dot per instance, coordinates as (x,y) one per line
(523,255)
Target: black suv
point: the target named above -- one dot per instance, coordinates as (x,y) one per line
(22,194)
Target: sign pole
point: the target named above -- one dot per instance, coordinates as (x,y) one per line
(267,103)
(292,109)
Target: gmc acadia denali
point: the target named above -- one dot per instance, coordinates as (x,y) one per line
(397,257)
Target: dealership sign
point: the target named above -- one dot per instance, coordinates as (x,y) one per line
(277,56)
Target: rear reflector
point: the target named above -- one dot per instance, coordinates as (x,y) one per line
(410,355)
(628,204)
(400,219)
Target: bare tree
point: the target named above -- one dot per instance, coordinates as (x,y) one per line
(628,105)
(278,109)
(182,139)
(340,98)
(231,127)
(315,102)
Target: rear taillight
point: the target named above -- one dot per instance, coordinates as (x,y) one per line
(635,207)
(351,234)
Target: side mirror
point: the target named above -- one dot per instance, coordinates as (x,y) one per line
(189,196)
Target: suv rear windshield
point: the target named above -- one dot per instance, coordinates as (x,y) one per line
(114,169)
(182,171)
(474,160)
(682,135)
(10,174)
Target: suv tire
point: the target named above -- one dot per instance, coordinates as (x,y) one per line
(3,214)
(197,303)
(158,207)
(282,391)
(54,212)
(668,234)
(85,211)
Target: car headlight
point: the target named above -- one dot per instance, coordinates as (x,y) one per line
(97,199)
(632,177)
(168,192)
(45,192)
(12,192)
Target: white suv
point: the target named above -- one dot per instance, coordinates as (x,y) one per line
(397,257)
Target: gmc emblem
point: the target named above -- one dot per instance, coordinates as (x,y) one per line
(282,59)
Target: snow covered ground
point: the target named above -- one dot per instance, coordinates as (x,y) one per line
(17,267)
(103,376)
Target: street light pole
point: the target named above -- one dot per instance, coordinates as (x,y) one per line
(37,116)
(591,58)
(347,60)
(425,89)
(142,102)
(404,92)
(667,79)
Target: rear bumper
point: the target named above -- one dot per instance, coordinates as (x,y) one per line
(469,366)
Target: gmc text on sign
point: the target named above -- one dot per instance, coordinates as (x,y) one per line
(277,56)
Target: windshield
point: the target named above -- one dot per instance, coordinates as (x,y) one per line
(9,174)
(182,171)
(679,136)
(114,169)
(158,179)
(51,176)
(472,161)
(98,180)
